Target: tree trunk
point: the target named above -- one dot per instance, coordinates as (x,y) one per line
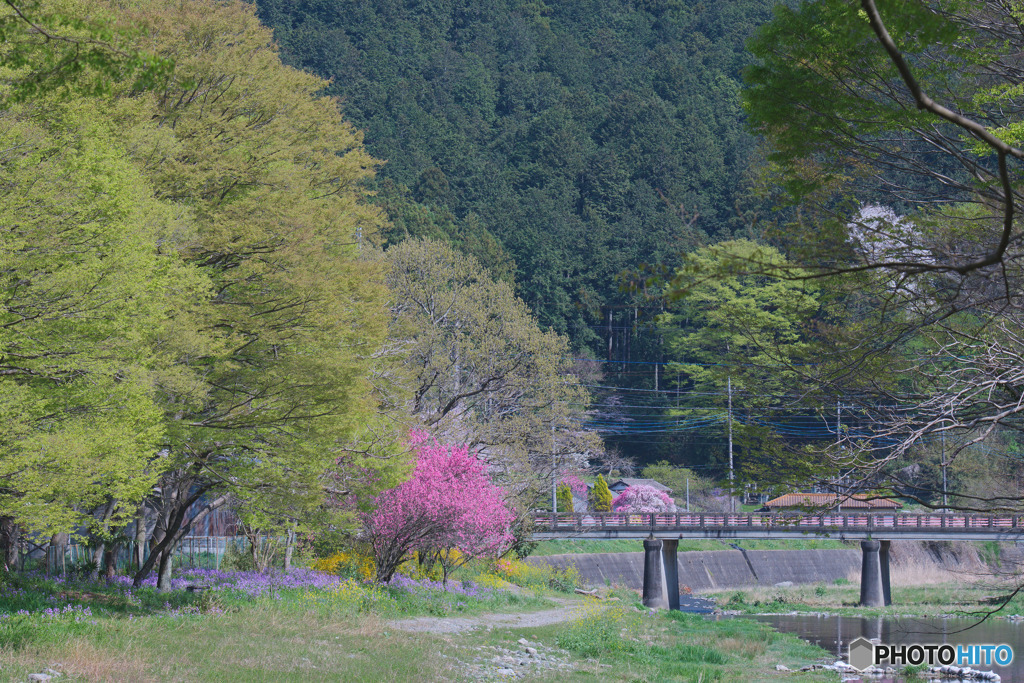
(176,528)
(10,534)
(110,561)
(97,561)
(59,543)
(140,537)
(254,547)
(289,549)
(163,582)
(99,553)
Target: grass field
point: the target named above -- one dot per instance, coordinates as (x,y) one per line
(344,631)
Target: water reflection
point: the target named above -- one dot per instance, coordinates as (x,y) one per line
(834,634)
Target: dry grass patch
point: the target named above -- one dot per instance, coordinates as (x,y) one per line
(740,647)
(77,659)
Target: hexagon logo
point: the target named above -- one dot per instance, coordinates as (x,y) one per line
(862,653)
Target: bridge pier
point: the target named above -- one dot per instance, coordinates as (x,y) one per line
(655,588)
(874,574)
(661,573)
(883,559)
(670,560)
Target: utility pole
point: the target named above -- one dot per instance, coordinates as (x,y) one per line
(554,473)
(839,437)
(554,468)
(732,488)
(945,500)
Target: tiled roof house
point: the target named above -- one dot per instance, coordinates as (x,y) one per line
(830,501)
(623,484)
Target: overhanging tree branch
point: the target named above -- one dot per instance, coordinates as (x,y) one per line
(973,127)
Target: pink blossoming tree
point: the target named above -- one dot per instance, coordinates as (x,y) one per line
(643,498)
(449,503)
(575,484)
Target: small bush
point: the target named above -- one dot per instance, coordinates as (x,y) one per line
(596,632)
(347,564)
(349,597)
(537,576)
(601,496)
(236,558)
(565,580)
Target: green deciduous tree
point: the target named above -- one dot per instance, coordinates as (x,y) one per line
(728,326)
(480,371)
(69,47)
(192,298)
(271,175)
(95,306)
(747,326)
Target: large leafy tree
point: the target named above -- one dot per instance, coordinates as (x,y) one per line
(191,292)
(480,370)
(96,304)
(728,329)
(270,176)
(912,104)
(69,47)
(747,326)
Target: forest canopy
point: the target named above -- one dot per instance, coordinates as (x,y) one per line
(566,140)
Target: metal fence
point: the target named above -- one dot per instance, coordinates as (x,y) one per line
(202,552)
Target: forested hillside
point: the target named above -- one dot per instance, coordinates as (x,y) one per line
(565,141)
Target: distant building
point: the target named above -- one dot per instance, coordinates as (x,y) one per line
(860,502)
(623,484)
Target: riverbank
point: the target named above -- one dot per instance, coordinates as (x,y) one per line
(324,630)
(928,580)
(986,599)
(742,566)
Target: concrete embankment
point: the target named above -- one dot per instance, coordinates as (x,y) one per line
(722,569)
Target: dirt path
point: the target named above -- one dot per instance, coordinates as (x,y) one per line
(569,608)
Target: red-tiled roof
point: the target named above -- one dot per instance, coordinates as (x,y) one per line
(857,501)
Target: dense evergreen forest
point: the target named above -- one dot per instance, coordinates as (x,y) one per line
(564,144)
(576,133)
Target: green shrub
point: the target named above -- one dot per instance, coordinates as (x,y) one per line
(564,499)
(236,558)
(537,575)
(601,496)
(596,632)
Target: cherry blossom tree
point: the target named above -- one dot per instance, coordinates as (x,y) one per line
(449,504)
(570,488)
(643,498)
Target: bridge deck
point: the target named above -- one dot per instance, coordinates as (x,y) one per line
(847,526)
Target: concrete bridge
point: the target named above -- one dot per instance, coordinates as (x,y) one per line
(661,534)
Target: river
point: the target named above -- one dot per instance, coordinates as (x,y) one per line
(834,634)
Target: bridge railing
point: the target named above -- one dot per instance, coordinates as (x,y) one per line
(694,521)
